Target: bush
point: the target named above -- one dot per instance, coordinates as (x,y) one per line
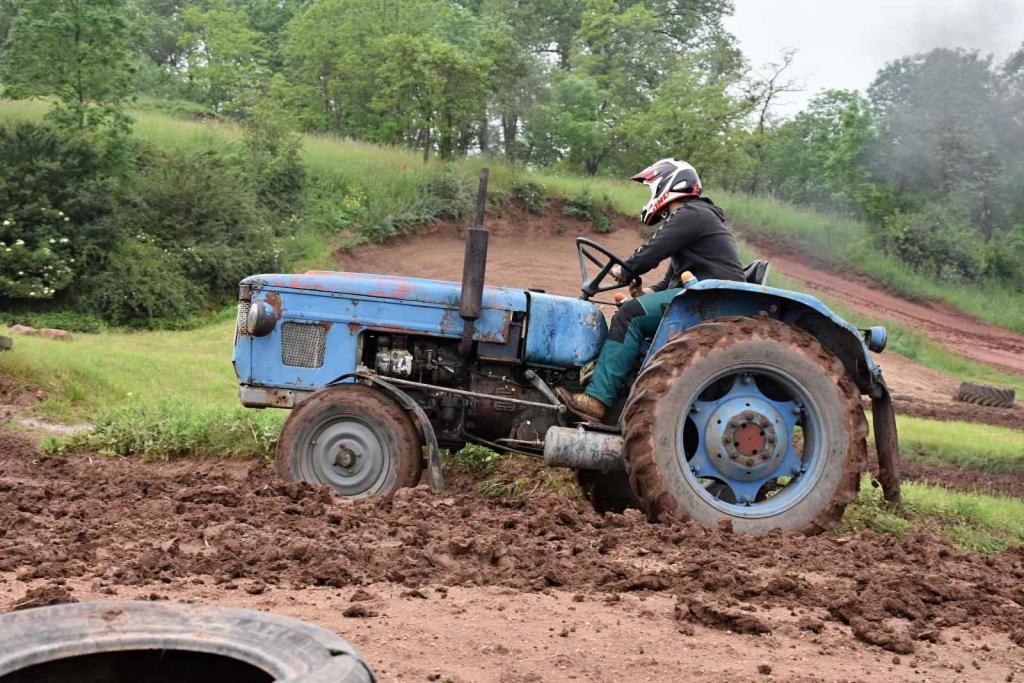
(52,189)
(195,209)
(143,285)
(935,242)
(585,206)
(533,196)
(273,159)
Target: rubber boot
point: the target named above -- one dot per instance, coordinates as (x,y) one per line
(583,405)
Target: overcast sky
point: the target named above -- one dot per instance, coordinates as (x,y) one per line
(842,43)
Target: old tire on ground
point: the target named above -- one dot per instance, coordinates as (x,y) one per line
(710,422)
(160,642)
(353,438)
(985,395)
(607,491)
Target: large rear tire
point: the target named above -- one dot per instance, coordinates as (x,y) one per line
(353,438)
(749,421)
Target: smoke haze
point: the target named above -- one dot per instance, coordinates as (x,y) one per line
(842,44)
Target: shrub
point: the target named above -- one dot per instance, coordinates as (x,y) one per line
(195,208)
(273,159)
(935,242)
(73,321)
(585,206)
(52,189)
(448,194)
(142,285)
(533,196)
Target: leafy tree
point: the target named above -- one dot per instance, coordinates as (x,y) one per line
(693,117)
(430,89)
(223,53)
(53,190)
(78,51)
(571,126)
(818,157)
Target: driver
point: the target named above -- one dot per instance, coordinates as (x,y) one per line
(694,237)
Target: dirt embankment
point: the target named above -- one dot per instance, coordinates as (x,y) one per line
(528,250)
(101,526)
(959,332)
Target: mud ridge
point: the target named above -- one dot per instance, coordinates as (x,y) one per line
(230,524)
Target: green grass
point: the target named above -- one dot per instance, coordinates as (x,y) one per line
(986,448)
(972,521)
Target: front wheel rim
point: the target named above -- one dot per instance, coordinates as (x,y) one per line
(348,454)
(736,447)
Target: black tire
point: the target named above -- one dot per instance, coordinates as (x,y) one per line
(607,491)
(122,641)
(353,438)
(985,395)
(675,376)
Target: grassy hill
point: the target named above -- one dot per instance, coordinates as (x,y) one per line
(390,182)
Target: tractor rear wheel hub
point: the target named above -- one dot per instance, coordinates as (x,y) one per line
(743,438)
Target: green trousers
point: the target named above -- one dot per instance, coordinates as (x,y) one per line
(636,320)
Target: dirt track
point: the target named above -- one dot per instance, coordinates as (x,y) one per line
(472,588)
(528,251)
(957,331)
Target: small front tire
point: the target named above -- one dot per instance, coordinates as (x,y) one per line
(353,438)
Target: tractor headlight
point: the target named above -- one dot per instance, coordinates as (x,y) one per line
(262,319)
(875,338)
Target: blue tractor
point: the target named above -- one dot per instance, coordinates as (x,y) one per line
(746,410)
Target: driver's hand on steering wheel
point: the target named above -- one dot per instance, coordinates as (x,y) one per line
(616,272)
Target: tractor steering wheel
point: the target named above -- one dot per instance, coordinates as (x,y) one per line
(592,285)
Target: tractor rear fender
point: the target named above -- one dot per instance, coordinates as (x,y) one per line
(709,299)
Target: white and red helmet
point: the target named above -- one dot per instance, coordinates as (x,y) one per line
(669,180)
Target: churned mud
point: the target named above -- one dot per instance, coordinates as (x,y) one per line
(467,587)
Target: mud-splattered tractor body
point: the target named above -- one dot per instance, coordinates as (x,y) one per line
(746,406)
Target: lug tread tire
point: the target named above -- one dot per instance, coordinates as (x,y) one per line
(645,402)
(285,648)
(985,395)
(359,399)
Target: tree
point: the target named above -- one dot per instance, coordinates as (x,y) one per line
(223,54)
(430,89)
(948,129)
(78,51)
(693,117)
(819,157)
(571,125)
(763,91)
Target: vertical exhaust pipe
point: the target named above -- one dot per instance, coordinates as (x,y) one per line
(473,268)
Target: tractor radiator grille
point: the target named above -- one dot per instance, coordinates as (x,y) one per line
(302,344)
(243,317)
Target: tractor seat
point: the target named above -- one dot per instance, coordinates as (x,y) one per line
(756,272)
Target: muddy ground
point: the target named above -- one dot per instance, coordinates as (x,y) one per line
(463,587)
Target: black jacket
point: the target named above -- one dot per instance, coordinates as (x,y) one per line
(696,239)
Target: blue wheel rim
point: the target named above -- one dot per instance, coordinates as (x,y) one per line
(735,441)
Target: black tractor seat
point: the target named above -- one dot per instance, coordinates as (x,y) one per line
(756,273)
